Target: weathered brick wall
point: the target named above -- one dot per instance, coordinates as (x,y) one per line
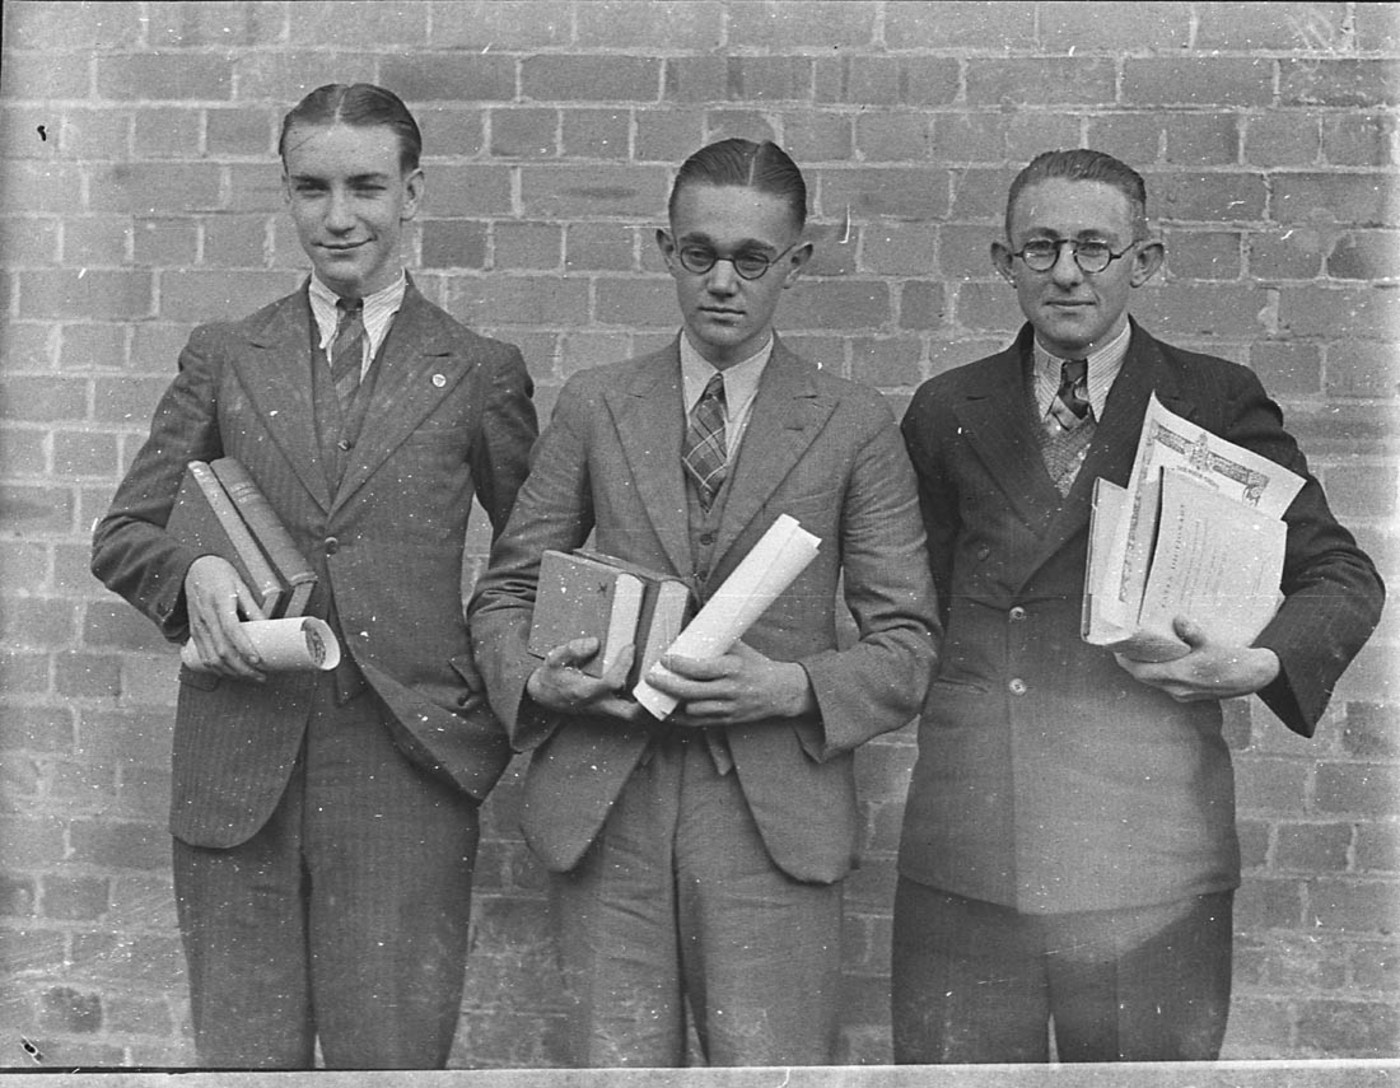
(141,196)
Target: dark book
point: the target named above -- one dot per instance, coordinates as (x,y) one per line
(204,517)
(581,597)
(665,611)
(277,544)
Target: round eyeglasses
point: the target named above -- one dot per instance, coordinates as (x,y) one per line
(749,265)
(1043,254)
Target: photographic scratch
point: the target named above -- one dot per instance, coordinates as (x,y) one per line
(35,1054)
(43,135)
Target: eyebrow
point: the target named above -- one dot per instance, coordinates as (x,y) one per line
(355,179)
(744,244)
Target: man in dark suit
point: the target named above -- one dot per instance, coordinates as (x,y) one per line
(326,824)
(1069,850)
(700,859)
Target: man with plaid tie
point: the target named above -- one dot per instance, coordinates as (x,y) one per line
(1069,851)
(326,824)
(698,862)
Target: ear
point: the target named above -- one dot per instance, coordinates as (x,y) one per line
(1001,260)
(1146,261)
(415,186)
(794,262)
(666,244)
(286,187)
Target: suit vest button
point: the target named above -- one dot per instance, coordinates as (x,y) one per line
(1017,686)
(331,544)
(1017,613)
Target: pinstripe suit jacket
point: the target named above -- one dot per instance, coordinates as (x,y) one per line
(817,447)
(450,417)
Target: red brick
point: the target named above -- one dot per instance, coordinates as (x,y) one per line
(525,133)
(454,243)
(597,134)
(1028,134)
(565,78)
(549,192)
(1342,1029)
(748,124)
(906,249)
(1287,367)
(285,77)
(1293,253)
(838,305)
(508,25)
(95,135)
(1366,255)
(960,25)
(29,241)
(1204,255)
(30,842)
(1254,843)
(1180,311)
(1361,789)
(198,22)
(224,295)
(43,77)
(1377,27)
(1363,312)
(470,190)
(1197,81)
(1271,785)
(24,453)
(41,186)
(1341,82)
(987,307)
(83,676)
(139,1016)
(113,624)
(75,898)
(141,901)
(127,399)
(17,894)
(61,27)
(1283,138)
(164,242)
(28,346)
(1378,847)
(669,136)
(831,256)
(1213,197)
(1277,26)
(166,133)
(67,1010)
(1376,966)
(1268,904)
(168,76)
(450,131)
(768,79)
(1201,139)
(887,136)
(155,188)
(96,241)
(601,247)
(35,623)
(886,362)
(93,347)
(974,137)
(696,79)
(25,564)
(648,303)
(1372,731)
(888,81)
(980,196)
(237,241)
(113,845)
(536,246)
(818,25)
(1046,81)
(520,300)
(396,27)
(144,792)
(899,192)
(1080,28)
(1313,847)
(1359,139)
(36,509)
(1363,200)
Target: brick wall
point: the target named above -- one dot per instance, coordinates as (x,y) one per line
(141,196)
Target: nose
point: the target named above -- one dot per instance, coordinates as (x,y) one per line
(338,213)
(722,279)
(1066,269)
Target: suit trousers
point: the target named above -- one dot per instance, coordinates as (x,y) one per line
(343,918)
(977,982)
(677,902)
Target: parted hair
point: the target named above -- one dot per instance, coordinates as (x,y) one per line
(361,105)
(763,166)
(1084,164)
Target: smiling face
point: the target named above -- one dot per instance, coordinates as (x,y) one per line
(350,198)
(728,318)
(1073,311)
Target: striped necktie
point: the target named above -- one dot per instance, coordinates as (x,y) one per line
(1071,404)
(704,455)
(348,351)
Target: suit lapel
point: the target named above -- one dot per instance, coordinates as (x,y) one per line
(787,415)
(417,369)
(648,415)
(276,374)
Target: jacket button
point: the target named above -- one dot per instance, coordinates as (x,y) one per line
(345,445)
(707,538)
(983,552)
(1017,686)
(1018,613)
(332,545)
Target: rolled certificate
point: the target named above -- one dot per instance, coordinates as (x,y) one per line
(771,566)
(295,643)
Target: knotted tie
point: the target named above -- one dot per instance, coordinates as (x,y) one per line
(348,351)
(1071,403)
(705,452)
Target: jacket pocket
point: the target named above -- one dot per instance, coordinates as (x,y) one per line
(475,695)
(204,681)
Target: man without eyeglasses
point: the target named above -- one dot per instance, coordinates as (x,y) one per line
(1069,854)
(326,824)
(697,862)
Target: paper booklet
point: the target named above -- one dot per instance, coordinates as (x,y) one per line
(1197,532)
(772,565)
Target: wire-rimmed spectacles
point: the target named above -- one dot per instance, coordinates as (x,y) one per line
(1043,254)
(748,265)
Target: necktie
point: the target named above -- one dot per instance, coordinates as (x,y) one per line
(348,351)
(1071,403)
(704,453)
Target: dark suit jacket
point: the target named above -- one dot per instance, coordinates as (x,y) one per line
(1048,779)
(819,448)
(450,417)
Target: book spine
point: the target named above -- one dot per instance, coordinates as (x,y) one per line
(267,528)
(263,580)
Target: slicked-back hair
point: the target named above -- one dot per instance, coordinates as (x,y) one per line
(362,105)
(1084,164)
(762,166)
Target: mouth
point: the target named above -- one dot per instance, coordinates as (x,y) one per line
(349,247)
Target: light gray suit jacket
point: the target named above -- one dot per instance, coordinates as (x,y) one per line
(822,449)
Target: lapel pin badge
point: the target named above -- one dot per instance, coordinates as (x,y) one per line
(439,380)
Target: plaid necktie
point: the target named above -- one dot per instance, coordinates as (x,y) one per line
(704,453)
(348,351)
(1071,403)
